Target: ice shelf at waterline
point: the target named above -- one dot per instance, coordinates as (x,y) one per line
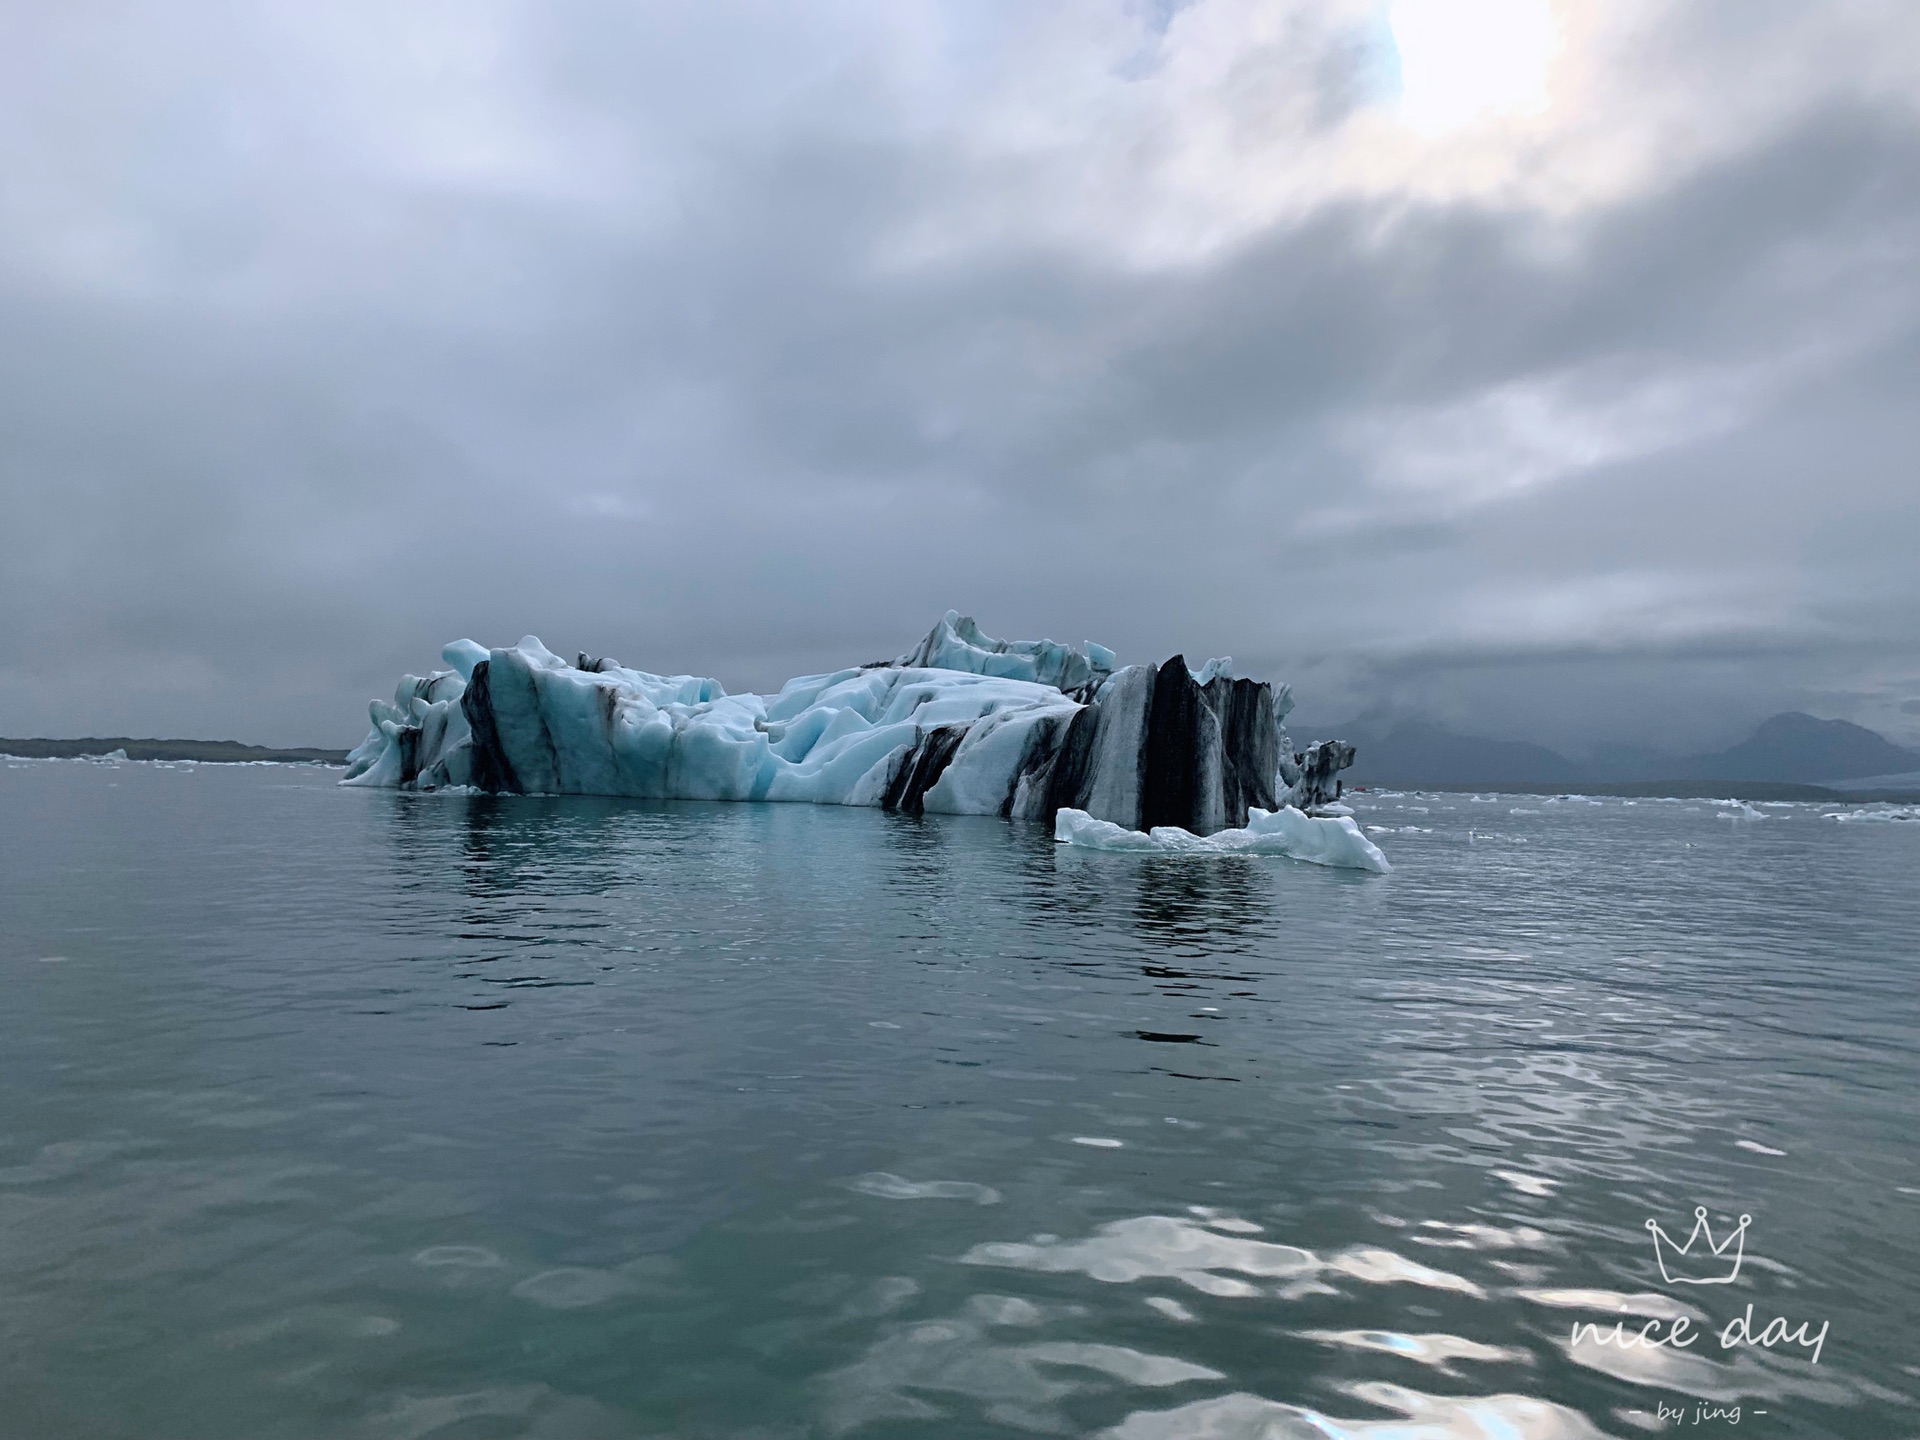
(961,724)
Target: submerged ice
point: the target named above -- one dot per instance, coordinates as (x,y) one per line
(961,724)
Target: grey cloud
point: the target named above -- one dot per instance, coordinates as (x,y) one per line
(696,417)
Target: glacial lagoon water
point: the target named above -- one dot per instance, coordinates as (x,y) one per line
(344,1113)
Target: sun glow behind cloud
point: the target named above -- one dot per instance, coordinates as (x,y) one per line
(1467,61)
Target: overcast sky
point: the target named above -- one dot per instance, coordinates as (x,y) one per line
(1554,371)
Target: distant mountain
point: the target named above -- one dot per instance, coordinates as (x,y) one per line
(1798,747)
(1416,752)
(1791,748)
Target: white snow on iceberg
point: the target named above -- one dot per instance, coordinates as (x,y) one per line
(1324,840)
(961,724)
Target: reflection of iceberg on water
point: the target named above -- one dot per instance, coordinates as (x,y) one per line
(961,724)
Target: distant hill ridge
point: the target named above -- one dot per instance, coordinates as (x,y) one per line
(213,751)
(1809,749)
(1791,748)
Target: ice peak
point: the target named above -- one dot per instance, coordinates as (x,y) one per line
(957,643)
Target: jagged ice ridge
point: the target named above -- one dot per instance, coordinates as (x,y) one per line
(961,724)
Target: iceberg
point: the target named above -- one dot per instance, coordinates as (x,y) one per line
(1320,838)
(961,724)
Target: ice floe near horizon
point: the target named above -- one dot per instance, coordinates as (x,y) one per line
(961,724)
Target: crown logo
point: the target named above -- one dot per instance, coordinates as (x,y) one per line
(1709,1264)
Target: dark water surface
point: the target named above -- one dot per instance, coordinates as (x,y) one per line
(335,1113)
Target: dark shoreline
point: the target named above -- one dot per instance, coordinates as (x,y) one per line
(226,752)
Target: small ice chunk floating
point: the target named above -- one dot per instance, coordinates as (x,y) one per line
(961,724)
(1322,839)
